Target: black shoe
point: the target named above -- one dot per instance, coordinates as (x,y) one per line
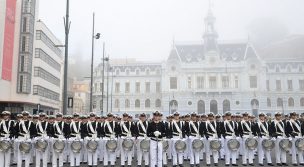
(295,164)
(180,165)
(279,164)
(215,164)
(235,165)
(301,164)
(285,164)
(270,164)
(261,164)
(197,165)
(251,165)
(244,164)
(208,164)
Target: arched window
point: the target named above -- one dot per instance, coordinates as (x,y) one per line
(290,102)
(173,106)
(127,103)
(147,103)
(147,71)
(226,105)
(137,71)
(117,72)
(288,69)
(277,69)
(137,103)
(279,102)
(302,102)
(213,106)
(116,103)
(200,107)
(268,102)
(157,103)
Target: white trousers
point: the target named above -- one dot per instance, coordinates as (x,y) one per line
(57,156)
(246,153)
(169,150)
(5,158)
(125,155)
(178,158)
(140,153)
(193,155)
(187,151)
(42,156)
(262,152)
(295,151)
(229,154)
(209,152)
(156,153)
(101,150)
(108,155)
(23,156)
(280,154)
(222,150)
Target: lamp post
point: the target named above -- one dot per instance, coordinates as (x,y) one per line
(94,36)
(67,25)
(108,85)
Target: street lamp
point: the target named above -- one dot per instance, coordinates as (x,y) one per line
(94,36)
(67,25)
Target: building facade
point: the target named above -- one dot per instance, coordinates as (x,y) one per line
(81,99)
(207,76)
(32,72)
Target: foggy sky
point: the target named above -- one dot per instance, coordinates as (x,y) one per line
(144,29)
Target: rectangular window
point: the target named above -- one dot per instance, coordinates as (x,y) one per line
(278,85)
(22,64)
(23,44)
(127,87)
(267,85)
(137,87)
(189,82)
(200,82)
(147,87)
(24,27)
(289,84)
(253,81)
(225,82)
(301,84)
(117,87)
(212,82)
(173,82)
(21,83)
(236,82)
(95,87)
(157,87)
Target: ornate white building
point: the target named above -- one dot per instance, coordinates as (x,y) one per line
(208,76)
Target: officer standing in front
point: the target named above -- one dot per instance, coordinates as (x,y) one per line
(156,131)
(6,133)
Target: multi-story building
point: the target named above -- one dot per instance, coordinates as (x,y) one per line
(81,90)
(31,64)
(208,76)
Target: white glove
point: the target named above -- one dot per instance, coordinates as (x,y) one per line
(157,133)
